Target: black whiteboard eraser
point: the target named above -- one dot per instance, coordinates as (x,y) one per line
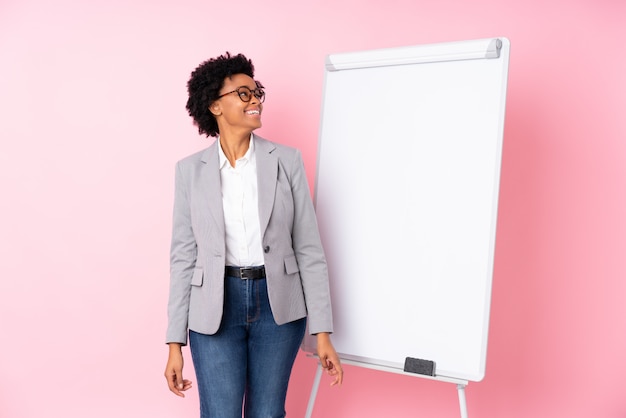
(419,366)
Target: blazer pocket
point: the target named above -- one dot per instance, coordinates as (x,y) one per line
(198,275)
(291,265)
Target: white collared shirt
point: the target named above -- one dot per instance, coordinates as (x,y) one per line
(240,199)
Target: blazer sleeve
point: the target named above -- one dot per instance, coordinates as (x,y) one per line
(309,253)
(183,255)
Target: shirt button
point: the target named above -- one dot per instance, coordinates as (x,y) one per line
(266,249)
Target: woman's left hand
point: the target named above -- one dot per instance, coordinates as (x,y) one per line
(329,358)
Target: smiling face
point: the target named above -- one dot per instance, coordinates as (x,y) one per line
(233,115)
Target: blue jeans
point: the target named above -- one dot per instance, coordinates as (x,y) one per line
(249,360)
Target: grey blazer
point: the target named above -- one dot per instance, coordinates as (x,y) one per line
(295,265)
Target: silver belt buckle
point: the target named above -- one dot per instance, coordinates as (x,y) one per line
(242,272)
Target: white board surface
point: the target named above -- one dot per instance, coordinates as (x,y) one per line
(406,197)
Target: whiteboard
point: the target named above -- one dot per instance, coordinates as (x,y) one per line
(406,197)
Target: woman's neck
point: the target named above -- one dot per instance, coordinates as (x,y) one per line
(234,146)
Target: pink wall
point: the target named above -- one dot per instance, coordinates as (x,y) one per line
(92,121)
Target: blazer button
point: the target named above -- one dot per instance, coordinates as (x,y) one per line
(266,249)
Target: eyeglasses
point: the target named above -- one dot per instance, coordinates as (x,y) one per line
(245,94)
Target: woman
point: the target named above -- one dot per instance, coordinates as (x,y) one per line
(247,265)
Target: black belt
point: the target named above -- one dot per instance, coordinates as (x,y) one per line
(257,272)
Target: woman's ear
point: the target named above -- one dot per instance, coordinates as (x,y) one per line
(215,108)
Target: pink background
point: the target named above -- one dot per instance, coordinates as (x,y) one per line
(92,120)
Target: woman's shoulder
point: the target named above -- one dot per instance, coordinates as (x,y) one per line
(281,150)
(199,156)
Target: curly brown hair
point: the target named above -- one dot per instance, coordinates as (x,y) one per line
(205,84)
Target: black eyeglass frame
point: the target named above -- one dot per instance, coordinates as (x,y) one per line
(258,92)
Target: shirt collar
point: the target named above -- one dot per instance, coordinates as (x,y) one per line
(246,157)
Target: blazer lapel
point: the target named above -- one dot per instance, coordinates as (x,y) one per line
(267,176)
(209,191)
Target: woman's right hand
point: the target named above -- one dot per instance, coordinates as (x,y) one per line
(174,371)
